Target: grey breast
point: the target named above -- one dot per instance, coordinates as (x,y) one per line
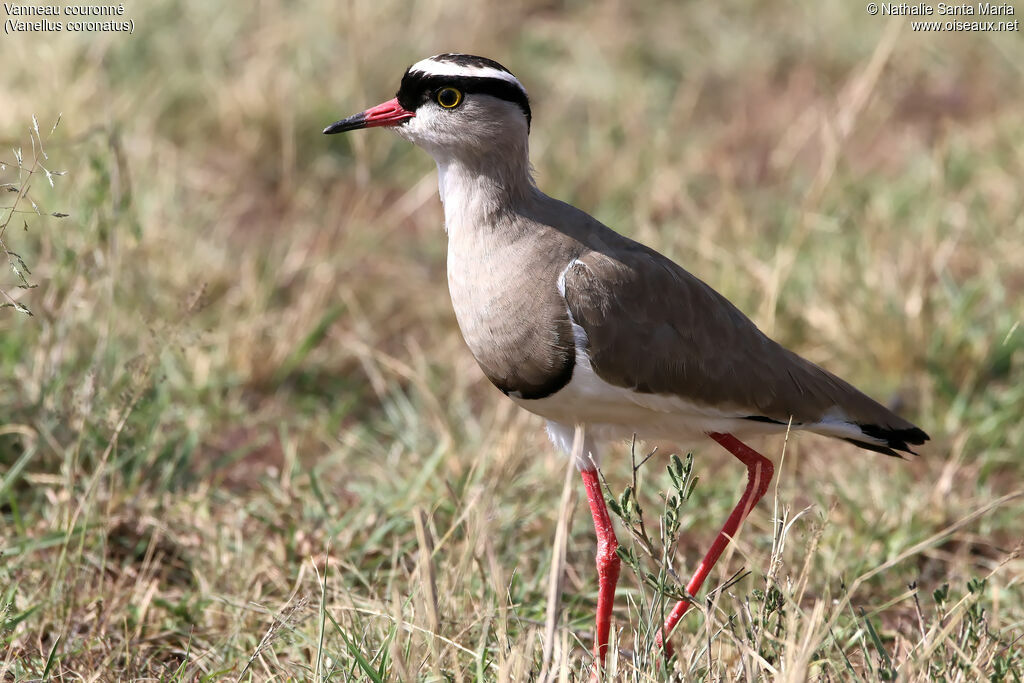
(503,279)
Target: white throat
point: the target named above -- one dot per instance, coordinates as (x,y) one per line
(474,193)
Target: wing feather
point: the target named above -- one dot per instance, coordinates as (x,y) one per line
(653,327)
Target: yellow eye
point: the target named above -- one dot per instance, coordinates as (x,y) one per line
(449,98)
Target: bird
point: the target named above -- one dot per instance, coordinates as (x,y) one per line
(588,328)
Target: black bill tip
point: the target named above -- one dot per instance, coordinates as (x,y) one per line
(351,123)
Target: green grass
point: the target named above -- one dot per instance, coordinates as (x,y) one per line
(241,437)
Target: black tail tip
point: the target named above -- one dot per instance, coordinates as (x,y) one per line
(895,439)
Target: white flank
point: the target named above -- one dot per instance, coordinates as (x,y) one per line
(562,436)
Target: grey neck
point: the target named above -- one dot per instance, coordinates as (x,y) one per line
(476,189)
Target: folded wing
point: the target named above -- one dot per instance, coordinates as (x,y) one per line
(654,328)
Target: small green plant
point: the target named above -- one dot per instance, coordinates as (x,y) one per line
(656,571)
(959,642)
(665,582)
(26,171)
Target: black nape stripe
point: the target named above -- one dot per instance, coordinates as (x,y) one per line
(417,88)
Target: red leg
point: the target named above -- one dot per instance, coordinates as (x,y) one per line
(759,474)
(607,562)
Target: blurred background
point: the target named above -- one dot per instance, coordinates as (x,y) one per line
(240,434)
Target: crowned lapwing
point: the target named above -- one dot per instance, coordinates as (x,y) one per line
(583,326)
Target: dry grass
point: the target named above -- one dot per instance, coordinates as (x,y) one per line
(241,437)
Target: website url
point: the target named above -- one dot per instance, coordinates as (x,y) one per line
(951,26)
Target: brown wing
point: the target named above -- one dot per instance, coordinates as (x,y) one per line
(655,328)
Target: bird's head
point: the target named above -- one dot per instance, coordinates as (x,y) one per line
(455,106)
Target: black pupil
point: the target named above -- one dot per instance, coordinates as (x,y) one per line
(448,97)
